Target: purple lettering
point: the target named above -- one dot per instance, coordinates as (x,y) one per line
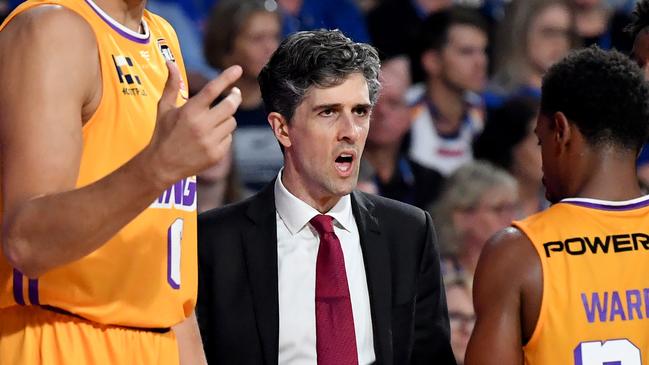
(633,304)
(189,194)
(597,307)
(616,307)
(178,188)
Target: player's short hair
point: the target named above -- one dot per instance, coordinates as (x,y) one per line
(320,58)
(639,19)
(603,93)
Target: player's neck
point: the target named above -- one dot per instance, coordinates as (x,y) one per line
(611,177)
(126,12)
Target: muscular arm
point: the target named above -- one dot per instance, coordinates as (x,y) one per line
(507,297)
(190,345)
(50,73)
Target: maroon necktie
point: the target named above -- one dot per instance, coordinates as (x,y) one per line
(335,337)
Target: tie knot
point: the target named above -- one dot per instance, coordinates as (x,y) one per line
(322,223)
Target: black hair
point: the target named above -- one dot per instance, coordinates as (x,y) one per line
(603,93)
(506,127)
(321,58)
(434,30)
(639,19)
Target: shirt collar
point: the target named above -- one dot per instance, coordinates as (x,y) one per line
(296,214)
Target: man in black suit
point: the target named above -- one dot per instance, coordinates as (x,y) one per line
(309,271)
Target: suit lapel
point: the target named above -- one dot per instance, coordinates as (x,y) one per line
(260,247)
(377,269)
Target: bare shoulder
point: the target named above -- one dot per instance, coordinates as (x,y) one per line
(51,48)
(49,66)
(506,294)
(49,31)
(508,250)
(49,22)
(510,269)
(508,263)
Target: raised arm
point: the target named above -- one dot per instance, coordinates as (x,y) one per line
(51,86)
(507,297)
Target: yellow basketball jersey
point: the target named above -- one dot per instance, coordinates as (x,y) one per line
(145,276)
(595,260)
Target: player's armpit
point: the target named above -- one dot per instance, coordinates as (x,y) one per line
(506,293)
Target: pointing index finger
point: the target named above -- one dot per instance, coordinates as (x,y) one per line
(215,87)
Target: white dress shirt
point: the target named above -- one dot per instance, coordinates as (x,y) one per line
(297,251)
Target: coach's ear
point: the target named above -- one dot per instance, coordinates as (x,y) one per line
(279,124)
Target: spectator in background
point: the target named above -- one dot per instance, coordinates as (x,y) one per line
(4,9)
(508,141)
(245,33)
(533,35)
(477,201)
(396,176)
(460,313)
(598,23)
(638,31)
(218,185)
(316,14)
(449,114)
(409,15)
(183,16)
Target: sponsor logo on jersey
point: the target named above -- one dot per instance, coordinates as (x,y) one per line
(165,50)
(168,55)
(616,243)
(127,77)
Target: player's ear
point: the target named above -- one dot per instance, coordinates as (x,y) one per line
(562,128)
(279,124)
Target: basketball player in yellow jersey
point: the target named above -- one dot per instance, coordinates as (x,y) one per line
(98,153)
(570,285)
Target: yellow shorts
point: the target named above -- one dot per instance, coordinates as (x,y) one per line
(35,336)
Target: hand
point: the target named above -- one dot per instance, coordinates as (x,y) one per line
(190,138)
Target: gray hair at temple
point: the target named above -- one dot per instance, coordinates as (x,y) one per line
(320,58)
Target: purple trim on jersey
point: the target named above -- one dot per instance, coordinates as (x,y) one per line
(120,31)
(18,287)
(170,280)
(632,206)
(33,292)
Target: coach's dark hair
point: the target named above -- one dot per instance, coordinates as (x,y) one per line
(639,19)
(602,92)
(321,58)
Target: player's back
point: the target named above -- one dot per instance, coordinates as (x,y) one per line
(595,261)
(145,276)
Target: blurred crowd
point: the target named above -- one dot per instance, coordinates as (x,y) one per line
(453,129)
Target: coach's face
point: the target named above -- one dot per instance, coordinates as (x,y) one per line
(324,141)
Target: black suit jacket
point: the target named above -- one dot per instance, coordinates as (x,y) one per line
(238,309)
